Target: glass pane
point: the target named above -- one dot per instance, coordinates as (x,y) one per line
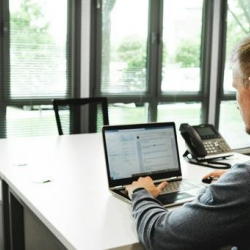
(38,48)
(231,126)
(179,113)
(238,25)
(182,26)
(31,121)
(124,46)
(120,113)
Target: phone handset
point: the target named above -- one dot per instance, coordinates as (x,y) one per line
(193,140)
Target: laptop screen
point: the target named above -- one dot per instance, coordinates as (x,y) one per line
(141,150)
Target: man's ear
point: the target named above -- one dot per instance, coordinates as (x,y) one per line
(248,83)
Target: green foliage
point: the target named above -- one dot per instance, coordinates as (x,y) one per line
(238,23)
(164,55)
(188,54)
(133,52)
(29,26)
(34,58)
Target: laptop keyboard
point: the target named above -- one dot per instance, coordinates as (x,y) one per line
(182,185)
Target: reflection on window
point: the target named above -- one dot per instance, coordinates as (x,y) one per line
(120,113)
(182,27)
(232,127)
(179,113)
(124,46)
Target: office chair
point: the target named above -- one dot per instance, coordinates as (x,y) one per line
(75,113)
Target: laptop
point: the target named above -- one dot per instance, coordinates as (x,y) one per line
(150,149)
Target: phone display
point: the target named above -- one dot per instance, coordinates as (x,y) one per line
(206,132)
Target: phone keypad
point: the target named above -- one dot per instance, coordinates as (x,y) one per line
(215,147)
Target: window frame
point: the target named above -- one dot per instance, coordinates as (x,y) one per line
(73,61)
(154,96)
(221,96)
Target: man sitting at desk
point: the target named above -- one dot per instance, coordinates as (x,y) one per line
(221,213)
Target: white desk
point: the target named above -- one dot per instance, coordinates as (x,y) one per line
(76,205)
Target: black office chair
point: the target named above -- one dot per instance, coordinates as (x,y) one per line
(71,113)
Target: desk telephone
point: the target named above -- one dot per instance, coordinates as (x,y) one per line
(204,142)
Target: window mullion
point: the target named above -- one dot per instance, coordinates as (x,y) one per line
(4,65)
(206,48)
(217,60)
(155,56)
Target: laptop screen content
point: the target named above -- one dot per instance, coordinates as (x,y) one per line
(144,151)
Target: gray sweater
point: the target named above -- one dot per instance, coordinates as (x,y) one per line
(219,216)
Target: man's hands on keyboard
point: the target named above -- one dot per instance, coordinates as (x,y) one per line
(147,183)
(175,186)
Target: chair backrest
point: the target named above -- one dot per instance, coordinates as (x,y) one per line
(69,114)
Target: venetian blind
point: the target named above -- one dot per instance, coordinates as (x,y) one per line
(39,63)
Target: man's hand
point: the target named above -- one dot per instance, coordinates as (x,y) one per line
(215,173)
(148,184)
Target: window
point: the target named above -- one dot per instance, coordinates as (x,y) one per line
(181,61)
(182,27)
(38,64)
(150,60)
(124,49)
(237,27)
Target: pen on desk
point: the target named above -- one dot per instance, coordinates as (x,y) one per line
(20,164)
(46,181)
